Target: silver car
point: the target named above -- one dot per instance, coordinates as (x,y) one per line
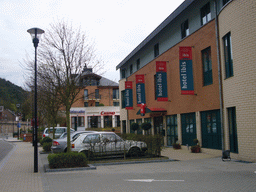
(58,131)
(106,143)
(60,145)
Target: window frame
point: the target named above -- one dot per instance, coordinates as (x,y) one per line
(123,73)
(228,56)
(86,95)
(184,29)
(205,13)
(156,50)
(207,64)
(138,64)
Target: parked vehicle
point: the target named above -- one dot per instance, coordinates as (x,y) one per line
(106,143)
(60,145)
(58,131)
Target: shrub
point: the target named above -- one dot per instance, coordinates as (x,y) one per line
(146,126)
(45,140)
(134,126)
(67,160)
(47,146)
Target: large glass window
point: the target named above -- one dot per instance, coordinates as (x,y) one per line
(184,29)
(172,129)
(207,66)
(232,130)
(205,14)
(77,122)
(228,55)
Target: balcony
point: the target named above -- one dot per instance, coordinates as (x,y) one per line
(92,97)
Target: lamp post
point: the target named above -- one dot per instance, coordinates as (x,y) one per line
(35,34)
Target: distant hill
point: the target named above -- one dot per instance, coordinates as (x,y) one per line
(10,94)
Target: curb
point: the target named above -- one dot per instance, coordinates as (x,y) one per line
(135,162)
(47,168)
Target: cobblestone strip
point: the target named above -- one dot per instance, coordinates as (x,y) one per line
(17,173)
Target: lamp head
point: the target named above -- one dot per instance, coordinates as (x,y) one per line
(35,34)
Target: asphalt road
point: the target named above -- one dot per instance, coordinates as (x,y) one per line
(5,148)
(198,175)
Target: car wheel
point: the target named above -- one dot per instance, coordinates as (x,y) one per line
(134,152)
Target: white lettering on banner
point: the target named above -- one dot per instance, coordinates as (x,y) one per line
(107,113)
(77,111)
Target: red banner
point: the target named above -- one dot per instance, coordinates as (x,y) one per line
(185,53)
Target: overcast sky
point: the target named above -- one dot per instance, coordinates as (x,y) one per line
(116,26)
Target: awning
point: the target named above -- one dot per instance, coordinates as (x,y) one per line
(152,110)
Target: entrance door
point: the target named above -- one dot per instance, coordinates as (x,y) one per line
(211,131)
(188,124)
(172,130)
(158,125)
(232,130)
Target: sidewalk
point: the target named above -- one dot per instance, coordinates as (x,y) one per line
(17,169)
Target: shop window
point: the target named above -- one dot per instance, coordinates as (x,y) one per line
(86,104)
(184,29)
(205,14)
(207,66)
(172,129)
(228,55)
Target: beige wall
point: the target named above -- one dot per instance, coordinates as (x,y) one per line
(238,18)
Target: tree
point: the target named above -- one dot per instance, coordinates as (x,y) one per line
(63,53)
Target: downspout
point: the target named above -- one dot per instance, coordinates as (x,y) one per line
(220,78)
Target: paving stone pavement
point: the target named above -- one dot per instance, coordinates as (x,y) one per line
(17,170)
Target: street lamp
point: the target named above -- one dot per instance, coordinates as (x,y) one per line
(35,34)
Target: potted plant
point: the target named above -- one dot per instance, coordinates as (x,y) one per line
(135,126)
(146,126)
(196,148)
(176,145)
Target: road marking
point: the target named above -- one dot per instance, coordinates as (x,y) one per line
(151,180)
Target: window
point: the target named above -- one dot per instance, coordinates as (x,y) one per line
(205,14)
(138,64)
(156,50)
(123,98)
(207,66)
(97,95)
(232,130)
(184,29)
(97,104)
(228,55)
(86,104)
(115,93)
(86,94)
(131,69)
(224,2)
(123,73)
(77,122)
(115,103)
(172,129)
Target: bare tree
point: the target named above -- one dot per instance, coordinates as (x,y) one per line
(62,55)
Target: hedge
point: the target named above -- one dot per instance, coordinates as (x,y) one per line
(67,160)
